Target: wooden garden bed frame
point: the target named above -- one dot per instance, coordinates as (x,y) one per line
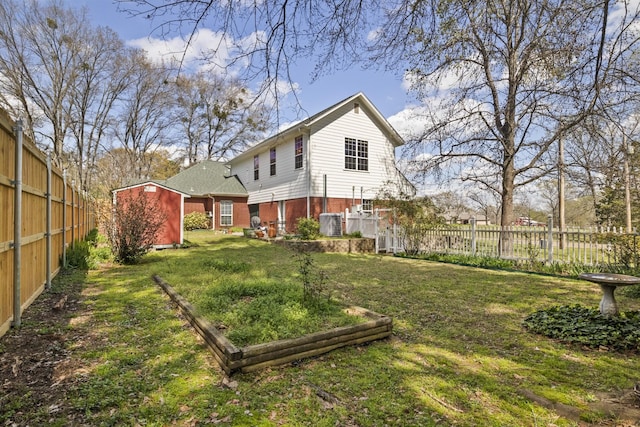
(254,357)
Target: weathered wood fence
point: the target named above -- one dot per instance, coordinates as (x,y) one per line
(51,214)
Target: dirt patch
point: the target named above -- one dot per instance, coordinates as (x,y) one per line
(622,409)
(37,366)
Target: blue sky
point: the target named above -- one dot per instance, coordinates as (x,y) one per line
(384,89)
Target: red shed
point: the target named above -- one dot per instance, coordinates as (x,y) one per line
(171,202)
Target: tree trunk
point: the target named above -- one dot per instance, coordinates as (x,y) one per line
(508,188)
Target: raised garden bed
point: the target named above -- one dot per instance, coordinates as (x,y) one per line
(254,357)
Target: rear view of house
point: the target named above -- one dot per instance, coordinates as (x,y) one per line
(341,158)
(336,159)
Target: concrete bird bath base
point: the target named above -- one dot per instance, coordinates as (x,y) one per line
(608,283)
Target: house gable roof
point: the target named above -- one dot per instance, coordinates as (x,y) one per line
(207,178)
(393,135)
(150,182)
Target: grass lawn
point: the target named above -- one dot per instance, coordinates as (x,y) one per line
(458,356)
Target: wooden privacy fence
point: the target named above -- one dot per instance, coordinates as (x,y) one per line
(50,213)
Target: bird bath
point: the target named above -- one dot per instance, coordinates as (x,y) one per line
(608,283)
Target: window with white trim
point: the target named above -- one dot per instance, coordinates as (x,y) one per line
(272,161)
(356,154)
(226,213)
(256,167)
(299,152)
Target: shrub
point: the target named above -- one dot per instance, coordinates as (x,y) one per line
(196,221)
(78,255)
(92,237)
(624,249)
(314,279)
(415,216)
(137,221)
(308,228)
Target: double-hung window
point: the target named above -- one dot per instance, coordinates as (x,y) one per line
(226,213)
(356,154)
(272,161)
(256,167)
(299,151)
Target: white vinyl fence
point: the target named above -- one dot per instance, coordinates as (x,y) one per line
(530,243)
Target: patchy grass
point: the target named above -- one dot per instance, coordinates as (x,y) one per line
(233,287)
(459,354)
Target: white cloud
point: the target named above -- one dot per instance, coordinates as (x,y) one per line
(207,50)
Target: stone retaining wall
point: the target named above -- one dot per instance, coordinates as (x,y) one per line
(363,245)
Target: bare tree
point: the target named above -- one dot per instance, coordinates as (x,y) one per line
(39,59)
(451,204)
(217,117)
(144,122)
(100,82)
(488,203)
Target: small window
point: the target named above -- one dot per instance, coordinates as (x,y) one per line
(367,205)
(226,213)
(256,167)
(299,151)
(272,161)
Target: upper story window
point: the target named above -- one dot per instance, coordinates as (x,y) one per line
(256,167)
(272,161)
(356,154)
(299,151)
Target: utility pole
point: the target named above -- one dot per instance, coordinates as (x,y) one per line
(627,180)
(561,198)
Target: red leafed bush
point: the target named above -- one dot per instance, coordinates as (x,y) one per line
(137,220)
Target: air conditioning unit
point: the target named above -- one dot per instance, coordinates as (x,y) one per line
(331,224)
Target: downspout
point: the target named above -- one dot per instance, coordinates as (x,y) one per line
(308,174)
(181,220)
(213,212)
(17,226)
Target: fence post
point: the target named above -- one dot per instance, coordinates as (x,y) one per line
(346,221)
(73,212)
(395,232)
(473,236)
(48,261)
(17,226)
(550,239)
(64,218)
(375,230)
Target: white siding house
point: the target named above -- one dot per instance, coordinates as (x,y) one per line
(342,156)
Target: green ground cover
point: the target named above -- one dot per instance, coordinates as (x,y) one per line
(251,294)
(459,354)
